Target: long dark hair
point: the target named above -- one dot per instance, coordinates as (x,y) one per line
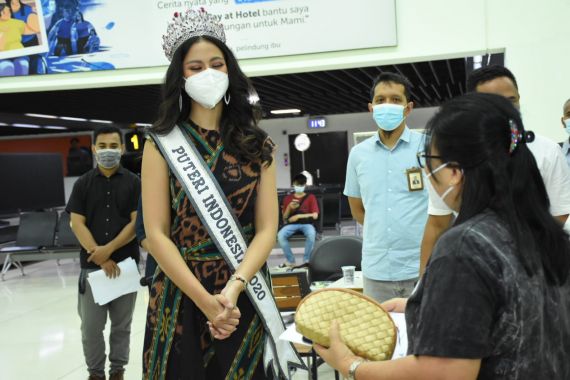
(80,15)
(22,10)
(473,132)
(239,128)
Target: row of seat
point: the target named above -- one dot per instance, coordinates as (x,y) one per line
(45,235)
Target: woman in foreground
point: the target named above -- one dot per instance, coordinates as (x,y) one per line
(494,302)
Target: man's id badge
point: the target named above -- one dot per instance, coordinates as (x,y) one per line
(415,179)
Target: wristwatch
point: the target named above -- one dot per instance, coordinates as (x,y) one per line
(353,367)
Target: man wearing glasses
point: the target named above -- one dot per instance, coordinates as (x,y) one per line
(385,190)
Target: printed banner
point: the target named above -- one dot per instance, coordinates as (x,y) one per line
(87,35)
(22,33)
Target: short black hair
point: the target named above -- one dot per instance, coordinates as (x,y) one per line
(300,179)
(393,78)
(107,130)
(488,73)
(74,140)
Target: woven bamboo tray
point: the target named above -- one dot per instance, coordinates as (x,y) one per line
(364,326)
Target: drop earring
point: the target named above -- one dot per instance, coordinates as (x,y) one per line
(227,98)
(180,102)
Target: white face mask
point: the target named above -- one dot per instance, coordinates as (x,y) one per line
(207,87)
(438,200)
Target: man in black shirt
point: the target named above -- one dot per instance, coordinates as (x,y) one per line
(103,208)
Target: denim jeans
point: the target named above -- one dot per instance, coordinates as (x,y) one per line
(287,231)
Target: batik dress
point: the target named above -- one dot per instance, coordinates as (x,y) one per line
(177,343)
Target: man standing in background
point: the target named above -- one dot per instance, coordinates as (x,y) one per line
(551,163)
(386,194)
(79,159)
(103,208)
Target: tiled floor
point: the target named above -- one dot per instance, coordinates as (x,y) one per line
(39,325)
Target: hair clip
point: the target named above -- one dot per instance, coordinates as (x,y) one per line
(516,136)
(529,136)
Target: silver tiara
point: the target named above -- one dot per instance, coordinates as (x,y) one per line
(192,23)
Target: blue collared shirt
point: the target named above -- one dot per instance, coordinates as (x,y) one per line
(394,217)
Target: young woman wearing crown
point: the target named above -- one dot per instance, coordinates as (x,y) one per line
(199,324)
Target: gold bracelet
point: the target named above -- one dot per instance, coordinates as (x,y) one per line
(238,277)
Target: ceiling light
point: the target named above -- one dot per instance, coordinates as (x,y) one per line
(54,127)
(26,126)
(143,125)
(41,115)
(3,125)
(101,121)
(72,118)
(282,112)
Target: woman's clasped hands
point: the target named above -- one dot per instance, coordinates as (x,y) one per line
(224,316)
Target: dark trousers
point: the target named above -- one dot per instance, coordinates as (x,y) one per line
(81,42)
(63,47)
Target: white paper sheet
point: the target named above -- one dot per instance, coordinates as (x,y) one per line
(401,349)
(291,335)
(106,289)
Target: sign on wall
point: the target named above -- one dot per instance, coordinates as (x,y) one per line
(87,35)
(317,122)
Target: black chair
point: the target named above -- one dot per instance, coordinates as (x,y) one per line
(35,232)
(330,254)
(65,236)
(65,241)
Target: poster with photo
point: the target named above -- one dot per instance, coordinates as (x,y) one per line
(22,35)
(89,35)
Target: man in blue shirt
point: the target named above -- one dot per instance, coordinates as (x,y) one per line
(566,124)
(385,190)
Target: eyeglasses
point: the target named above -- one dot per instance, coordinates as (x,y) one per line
(422,158)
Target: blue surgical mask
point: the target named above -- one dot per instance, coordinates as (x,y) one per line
(299,189)
(388,116)
(567,123)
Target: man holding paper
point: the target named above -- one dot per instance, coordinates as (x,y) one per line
(103,208)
